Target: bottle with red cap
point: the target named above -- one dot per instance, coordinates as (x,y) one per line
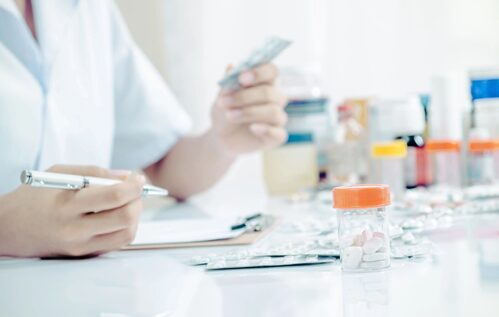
(363,227)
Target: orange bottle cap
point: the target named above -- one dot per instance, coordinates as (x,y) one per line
(478,146)
(443,146)
(361,196)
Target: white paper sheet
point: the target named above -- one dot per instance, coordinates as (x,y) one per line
(185,231)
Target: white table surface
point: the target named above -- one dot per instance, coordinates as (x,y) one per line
(461,280)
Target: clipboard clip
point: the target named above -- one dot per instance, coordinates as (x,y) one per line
(253,223)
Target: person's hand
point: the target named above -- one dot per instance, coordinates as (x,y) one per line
(253,117)
(40,222)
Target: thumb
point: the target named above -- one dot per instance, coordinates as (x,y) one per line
(228,69)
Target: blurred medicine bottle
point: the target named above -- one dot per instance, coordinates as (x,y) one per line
(291,168)
(308,111)
(417,165)
(445,162)
(387,166)
(481,161)
(485,100)
(347,158)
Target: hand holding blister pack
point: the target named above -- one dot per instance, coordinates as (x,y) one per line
(270,50)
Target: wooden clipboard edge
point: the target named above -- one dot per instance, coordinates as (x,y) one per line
(244,239)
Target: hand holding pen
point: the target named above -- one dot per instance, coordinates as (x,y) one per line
(91,221)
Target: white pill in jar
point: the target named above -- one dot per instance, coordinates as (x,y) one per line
(379,256)
(373,245)
(375,264)
(351,257)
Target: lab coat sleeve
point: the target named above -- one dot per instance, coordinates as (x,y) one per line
(148,119)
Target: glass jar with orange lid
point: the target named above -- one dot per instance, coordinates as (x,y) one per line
(363,227)
(481,161)
(445,162)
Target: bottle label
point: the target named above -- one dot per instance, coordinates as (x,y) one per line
(417,167)
(481,169)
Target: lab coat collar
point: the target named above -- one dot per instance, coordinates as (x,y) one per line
(16,37)
(52,19)
(11,7)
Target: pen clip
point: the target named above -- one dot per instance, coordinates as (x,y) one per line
(253,223)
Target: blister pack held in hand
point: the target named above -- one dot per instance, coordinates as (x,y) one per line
(272,47)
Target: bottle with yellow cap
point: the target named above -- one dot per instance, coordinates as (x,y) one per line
(387,166)
(363,227)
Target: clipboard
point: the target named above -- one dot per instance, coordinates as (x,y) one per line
(246,238)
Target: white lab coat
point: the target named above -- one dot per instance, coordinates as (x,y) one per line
(83,94)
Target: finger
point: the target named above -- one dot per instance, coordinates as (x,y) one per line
(225,91)
(89,170)
(261,94)
(266,73)
(269,135)
(84,170)
(270,114)
(98,198)
(112,220)
(110,241)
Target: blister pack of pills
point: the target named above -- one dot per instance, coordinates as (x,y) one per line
(479,192)
(434,196)
(320,248)
(265,262)
(441,217)
(420,250)
(479,206)
(318,251)
(310,226)
(265,54)
(411,245)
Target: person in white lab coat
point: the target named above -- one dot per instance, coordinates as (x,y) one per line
(78,96)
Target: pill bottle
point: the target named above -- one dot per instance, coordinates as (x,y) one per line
(363,227)
(481,161)
(416,163)
(292,167)
(402,119)
(496,161)
(387,166)
(308,111)
(347,159)
(485,97)
(445,162)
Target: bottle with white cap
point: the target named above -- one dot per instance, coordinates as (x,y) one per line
(449,109)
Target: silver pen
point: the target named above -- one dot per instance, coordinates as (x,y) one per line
(75,182)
